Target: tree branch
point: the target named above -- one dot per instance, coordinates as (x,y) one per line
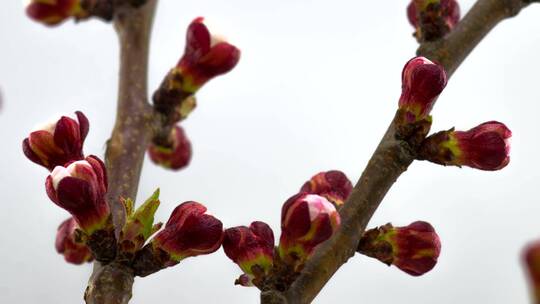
(112,283)
(391,158)
(481,19)
(134,117)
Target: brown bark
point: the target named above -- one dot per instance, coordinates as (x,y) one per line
(391,158)
(112,283)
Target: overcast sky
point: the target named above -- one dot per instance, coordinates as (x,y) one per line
(316,87)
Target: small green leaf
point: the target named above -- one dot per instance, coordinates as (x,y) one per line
(145,214)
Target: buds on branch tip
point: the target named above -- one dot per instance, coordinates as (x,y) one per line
(333,185)
(79,187)
(531,258)
(433,19)
(174,154)
(205,56)
(58,142)
(485,147)
(413,249)
(422,82)
(252,248)
(307,220)
(67,244)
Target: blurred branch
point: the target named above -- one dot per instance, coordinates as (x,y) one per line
(391,158)
(112,283)
(481,19)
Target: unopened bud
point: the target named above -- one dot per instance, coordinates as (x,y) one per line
(433,19)
(413,249)
(80,189)
(189,232)
(252,248)
(333,185)
(205,56)
(307,220)
(485,147)
(176,154)
(531,257)
(73,250)
(58,142)
(422,82)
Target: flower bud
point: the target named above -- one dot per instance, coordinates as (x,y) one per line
(433,19)
(205,57)
(422,82)
(74,252)
(53,12)
(531,257)
(176,154)
(306,221)
(188,233)
(57,143)
(252,249)
(80,189)
(333,185)
(413,249)
(485,147)
(139,225)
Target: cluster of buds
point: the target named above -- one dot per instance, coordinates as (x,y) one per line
(422,82)
(58,142)
(76,184)
(433,19)
(54,12)
(252,248)
(413,249)
(175,153)
(205,57)
(307,220)
(333,185)
(69,245)
(485,147)
(531,257)
(189,232)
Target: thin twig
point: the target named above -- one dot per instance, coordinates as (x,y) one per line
(391,158)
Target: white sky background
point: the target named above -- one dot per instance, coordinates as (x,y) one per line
(316,87)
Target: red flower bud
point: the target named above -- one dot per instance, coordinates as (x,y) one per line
(333,185)
(80,188)
(433,19)
(52,12)
(422,82)
(57,143)
(485,147)
(413,249)
(175,156)
(205,57)
(251,248)
(531,257)
(66,244)
(306,221)
(189,232)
